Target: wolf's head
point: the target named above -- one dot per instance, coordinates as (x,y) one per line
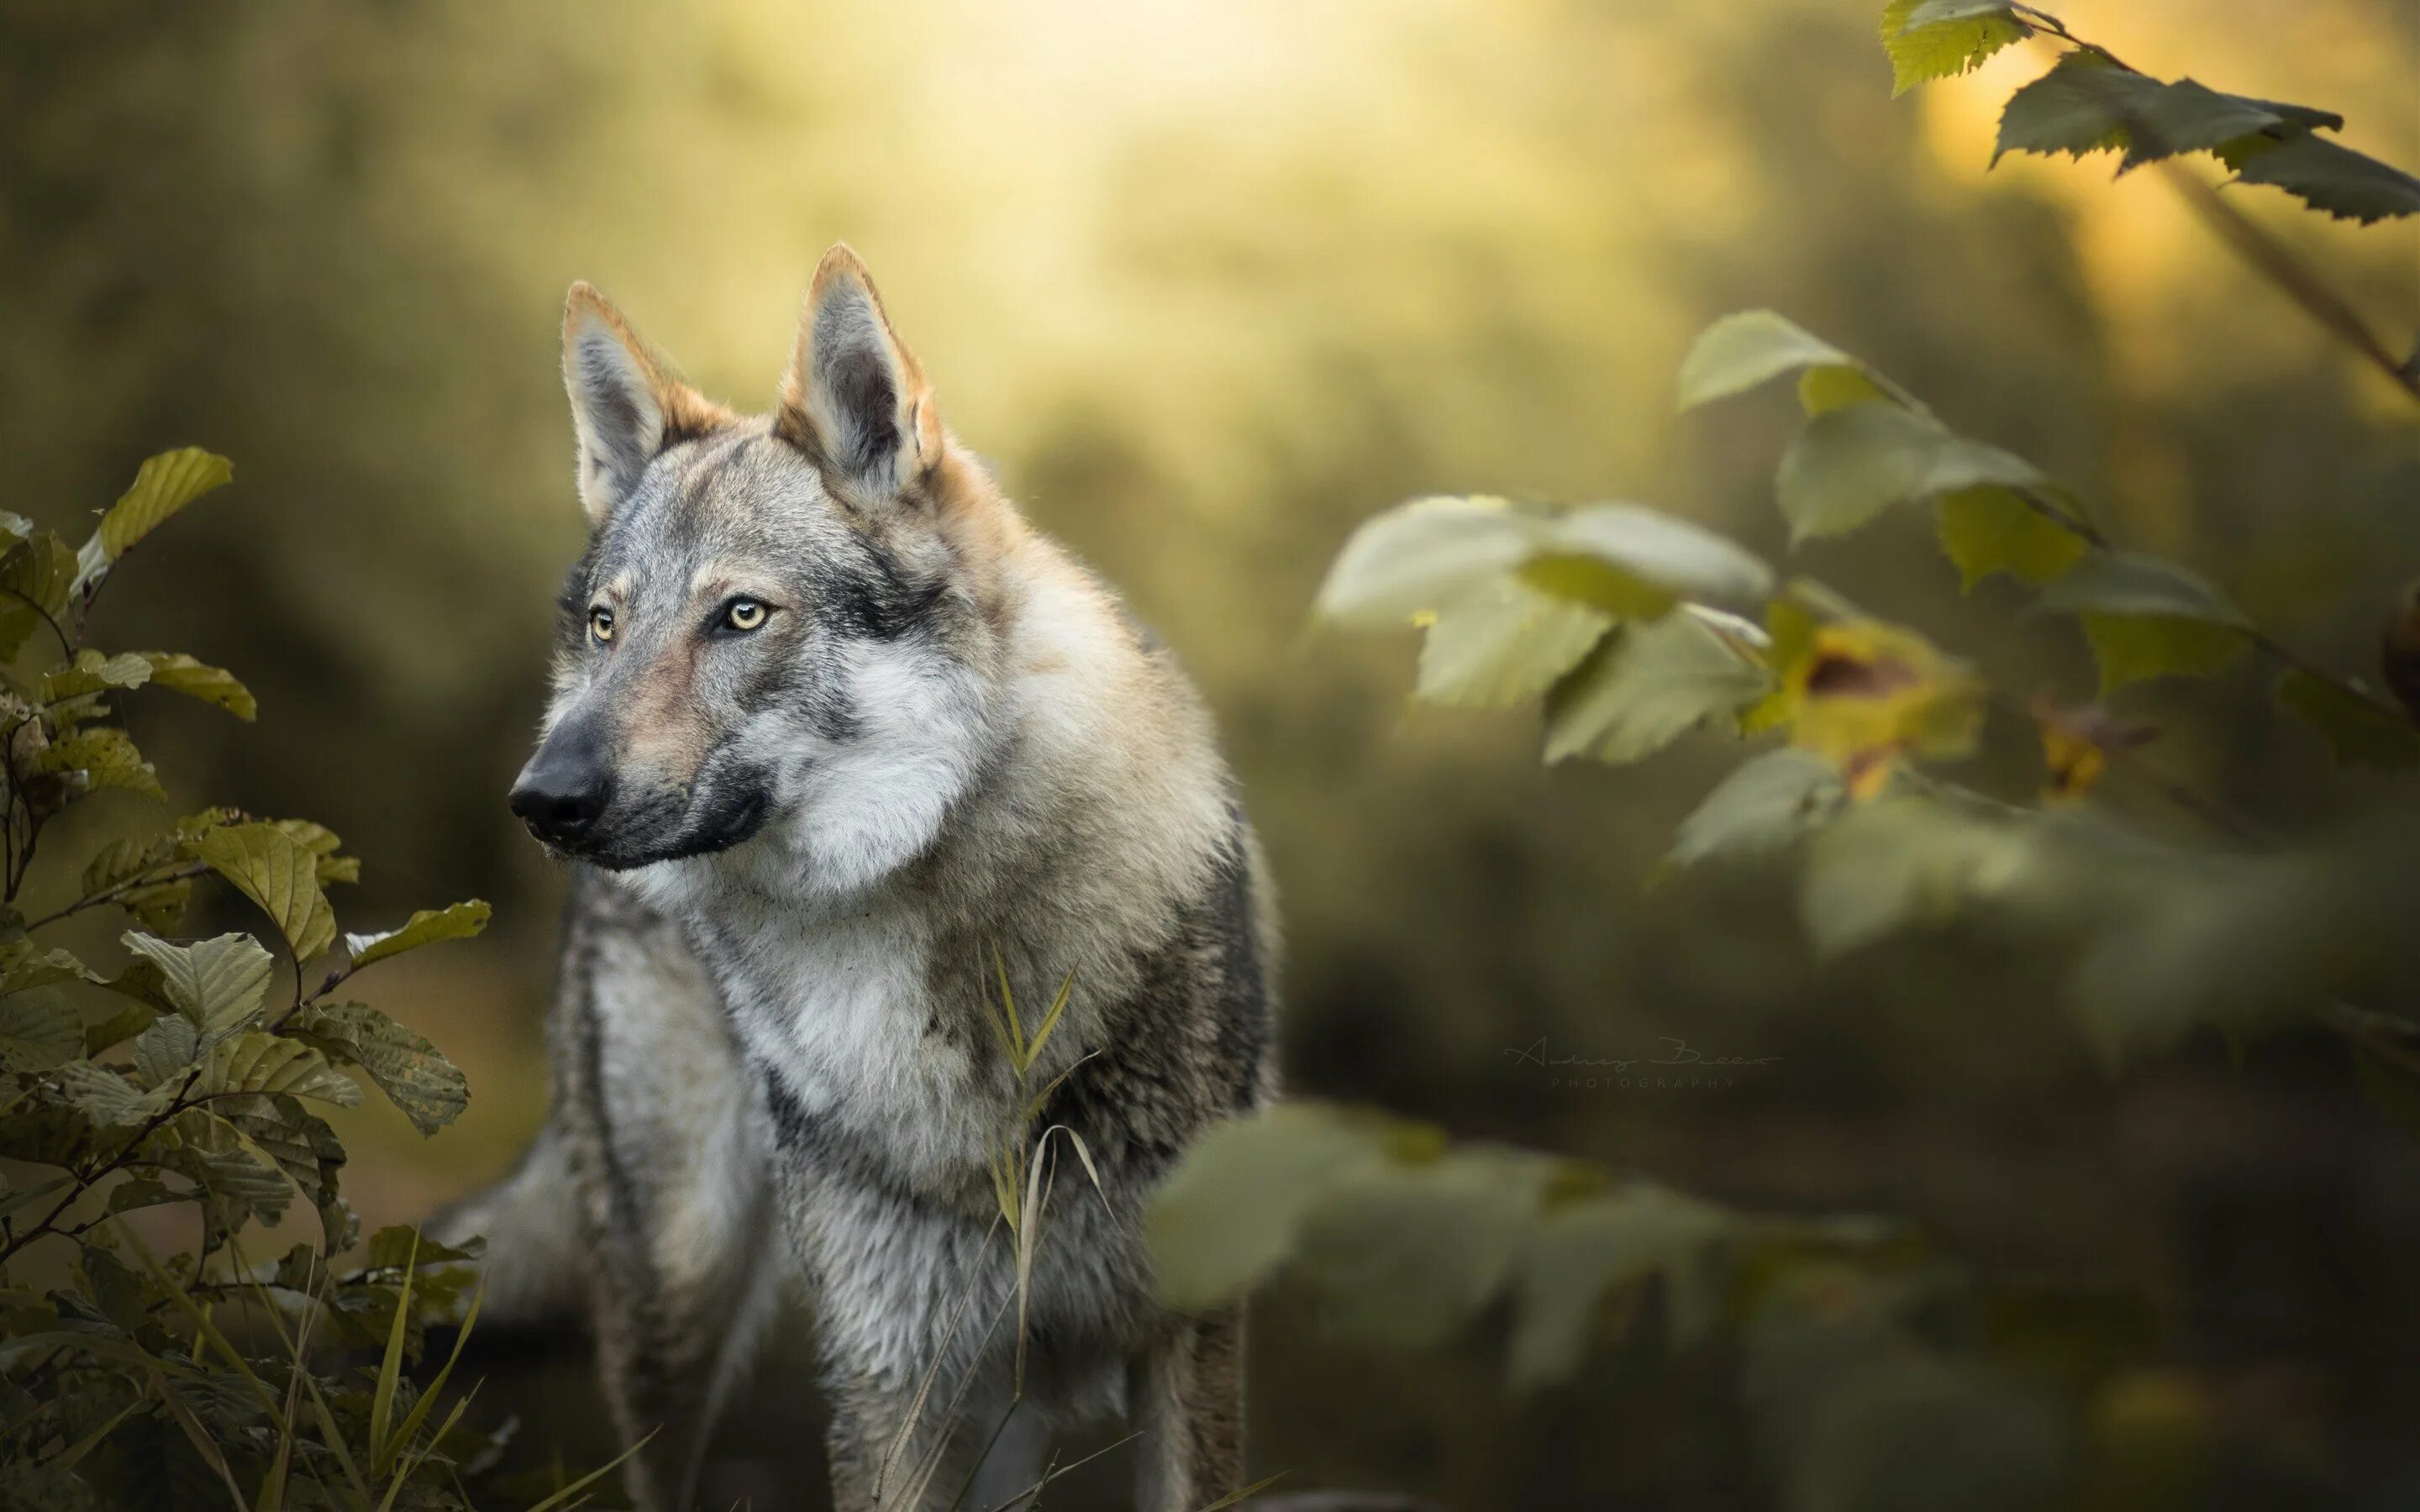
(778,642)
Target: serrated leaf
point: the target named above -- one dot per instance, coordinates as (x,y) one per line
(280,874)
(454,921)
(2361,731)
(2348,185)
(299,1141)
(2088,105)
(2138,648)
(1902,863)
(257,1063)
(39,1030)
(1646,686)
(215,686)
(416,1077)
(1930,39)
(166,1049)
(26,966)
(217,984)
(1748,347)
(1233,1209)
(1504,645)
(1847,466)
(1671,556)
(107,1098)
(162,485)
(1584,1250)
(107,758)
(91,671)
(1989,529)
(1767,803)
(1418,558)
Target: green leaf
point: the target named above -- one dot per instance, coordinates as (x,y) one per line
(1672,558)
(217,984)
(1644,686)
(39,1030)
(1421,557)
(107,1098)
(423,1084)
(26,966)
(280,874)
(2085,104)
(1767,803)
(164,1051)
(40,571)
(2345,184)
(2134,649)
(1751,347)
(91,671)
(454,921)
(1232,1209)
(1834,386)
(1847,466)
(107,758)
(1504,645)
(257,1062)
(1410,1254)
(1898,864)
(1989,529)
(2362,732)
(162,485)
(1930,39)
(181,673)
(1584,1250)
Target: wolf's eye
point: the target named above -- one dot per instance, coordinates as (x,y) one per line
(744,614)
(601,623)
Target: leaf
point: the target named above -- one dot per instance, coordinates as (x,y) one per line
(1930,39)
(1989,529)
(217,984)
(454,921)
(1232,1209)
(1410,1252)
(162,485)
(1644,686)
(1904,863)
(105,1096)
(91,671)
(416,1077)
(1867,692)
(39,1030)
(1751,347)
(2133,649)
(1767,803)
(1672,558)
(215,686)
(107,758)
(280,874)
(1504,645)
(1847,466)
(1837,386)
(163,1051)
(257,1062)
(2345,184)
(2147,617)
(40,571)
(1421,557)
(1584,1250)
(2361,731)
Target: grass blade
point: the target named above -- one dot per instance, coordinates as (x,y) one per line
(390,1376)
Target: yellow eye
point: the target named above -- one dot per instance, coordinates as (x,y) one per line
(744,614)
(601,623)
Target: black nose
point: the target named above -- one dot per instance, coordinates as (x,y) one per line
(563,791)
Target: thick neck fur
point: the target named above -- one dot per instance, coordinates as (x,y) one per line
(1054,801)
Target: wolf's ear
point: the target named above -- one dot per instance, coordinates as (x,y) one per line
(854,399)
(626,408)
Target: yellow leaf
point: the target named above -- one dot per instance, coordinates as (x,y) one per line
(2132,648)
(1991,528)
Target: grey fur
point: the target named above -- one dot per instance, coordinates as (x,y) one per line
(948,754)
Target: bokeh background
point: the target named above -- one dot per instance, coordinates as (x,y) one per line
(1210,280)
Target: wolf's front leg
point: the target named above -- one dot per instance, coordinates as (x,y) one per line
(886,1444)
(1187,1395)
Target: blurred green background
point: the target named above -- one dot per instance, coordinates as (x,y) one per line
(1209,281)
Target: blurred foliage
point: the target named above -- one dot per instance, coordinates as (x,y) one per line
(178,1080)
(1625,622)
(1211,282)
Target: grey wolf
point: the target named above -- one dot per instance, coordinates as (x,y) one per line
(831,726)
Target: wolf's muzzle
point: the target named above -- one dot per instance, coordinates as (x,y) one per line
(564,790)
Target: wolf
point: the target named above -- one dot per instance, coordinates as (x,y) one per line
(842,753)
